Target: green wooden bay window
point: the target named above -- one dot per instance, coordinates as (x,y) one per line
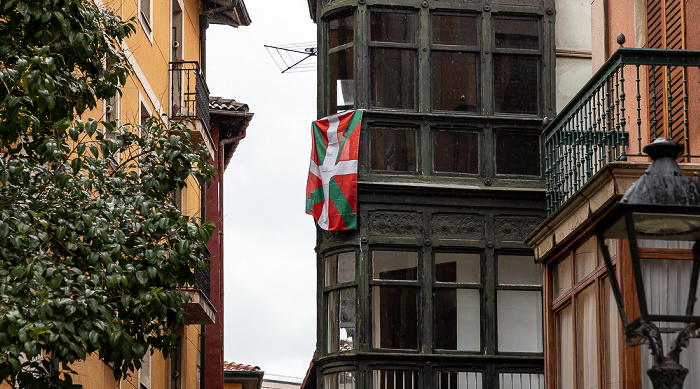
(477,62)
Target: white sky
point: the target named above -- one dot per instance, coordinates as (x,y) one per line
(270,272)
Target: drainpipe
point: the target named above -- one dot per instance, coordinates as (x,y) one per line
(203,26)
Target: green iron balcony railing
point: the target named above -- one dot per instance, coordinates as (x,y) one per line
(635,97)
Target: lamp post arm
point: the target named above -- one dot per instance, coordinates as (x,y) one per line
(646,332)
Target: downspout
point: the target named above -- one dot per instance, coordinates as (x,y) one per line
(203,26)
(203,357)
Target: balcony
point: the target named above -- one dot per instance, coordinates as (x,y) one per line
(200,309)
(637,96)
(189,97)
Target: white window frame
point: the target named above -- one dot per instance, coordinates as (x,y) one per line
(146,18)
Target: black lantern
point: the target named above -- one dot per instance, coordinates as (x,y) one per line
(661,209)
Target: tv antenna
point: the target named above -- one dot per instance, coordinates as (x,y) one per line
(293,58)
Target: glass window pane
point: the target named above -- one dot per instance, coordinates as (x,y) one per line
(611,332)
(395,265)
(456,152)
(565,347)
(666,283)
(517,34)
(341,380)
(587,338)
(393,27)
(346,321)
(332,307)
(459,380)
(392,78)
(515,84)
(342,87)
(457,319)
(519,270)
(521,381)
(393,150)
(519,321)
(561,275)
(346,267)
(341,31)
(394,379)
(455,30)
(454,82)
(395,317)
(518,154)
(463,268)
(331,269)
(584,259)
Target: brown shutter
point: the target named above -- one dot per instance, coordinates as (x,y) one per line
(666,30)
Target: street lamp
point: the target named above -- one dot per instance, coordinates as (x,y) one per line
(663,205)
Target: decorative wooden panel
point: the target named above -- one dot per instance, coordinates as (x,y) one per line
(457,226)
(395,223)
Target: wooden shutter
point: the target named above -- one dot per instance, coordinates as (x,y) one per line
(667,108)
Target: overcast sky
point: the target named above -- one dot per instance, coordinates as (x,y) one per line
(270,276)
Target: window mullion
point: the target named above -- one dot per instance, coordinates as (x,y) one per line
(486,69)
(424,60)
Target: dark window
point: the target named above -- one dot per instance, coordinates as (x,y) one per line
(456,152)
(455,30)
(516,84)
(393,27)
(395,265)
(454,81)
(518,154)
(454,63)
(516,67)
(392,60)
(517,34)
(341,31)
(395,301)
(395,317)
(393,78)
(393,149)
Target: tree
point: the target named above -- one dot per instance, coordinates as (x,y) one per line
(93,250)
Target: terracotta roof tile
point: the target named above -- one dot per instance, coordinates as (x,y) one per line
(226,104)
(233,366)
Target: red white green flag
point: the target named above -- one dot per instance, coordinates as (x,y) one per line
(331,190)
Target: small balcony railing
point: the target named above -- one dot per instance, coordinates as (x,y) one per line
(637,96)
(189,94)
(203,281)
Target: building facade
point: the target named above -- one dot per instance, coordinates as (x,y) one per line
(593,150)
(435,288)
(167,53)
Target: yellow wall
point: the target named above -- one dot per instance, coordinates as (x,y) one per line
(149,84)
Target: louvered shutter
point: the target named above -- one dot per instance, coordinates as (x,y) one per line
(145,371)
(667,92)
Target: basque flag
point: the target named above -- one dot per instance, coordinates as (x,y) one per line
(331,190)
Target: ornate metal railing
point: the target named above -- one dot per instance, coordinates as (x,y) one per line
(203,281)
(635,97)
(189,94)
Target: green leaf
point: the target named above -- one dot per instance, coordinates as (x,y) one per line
(76,164)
